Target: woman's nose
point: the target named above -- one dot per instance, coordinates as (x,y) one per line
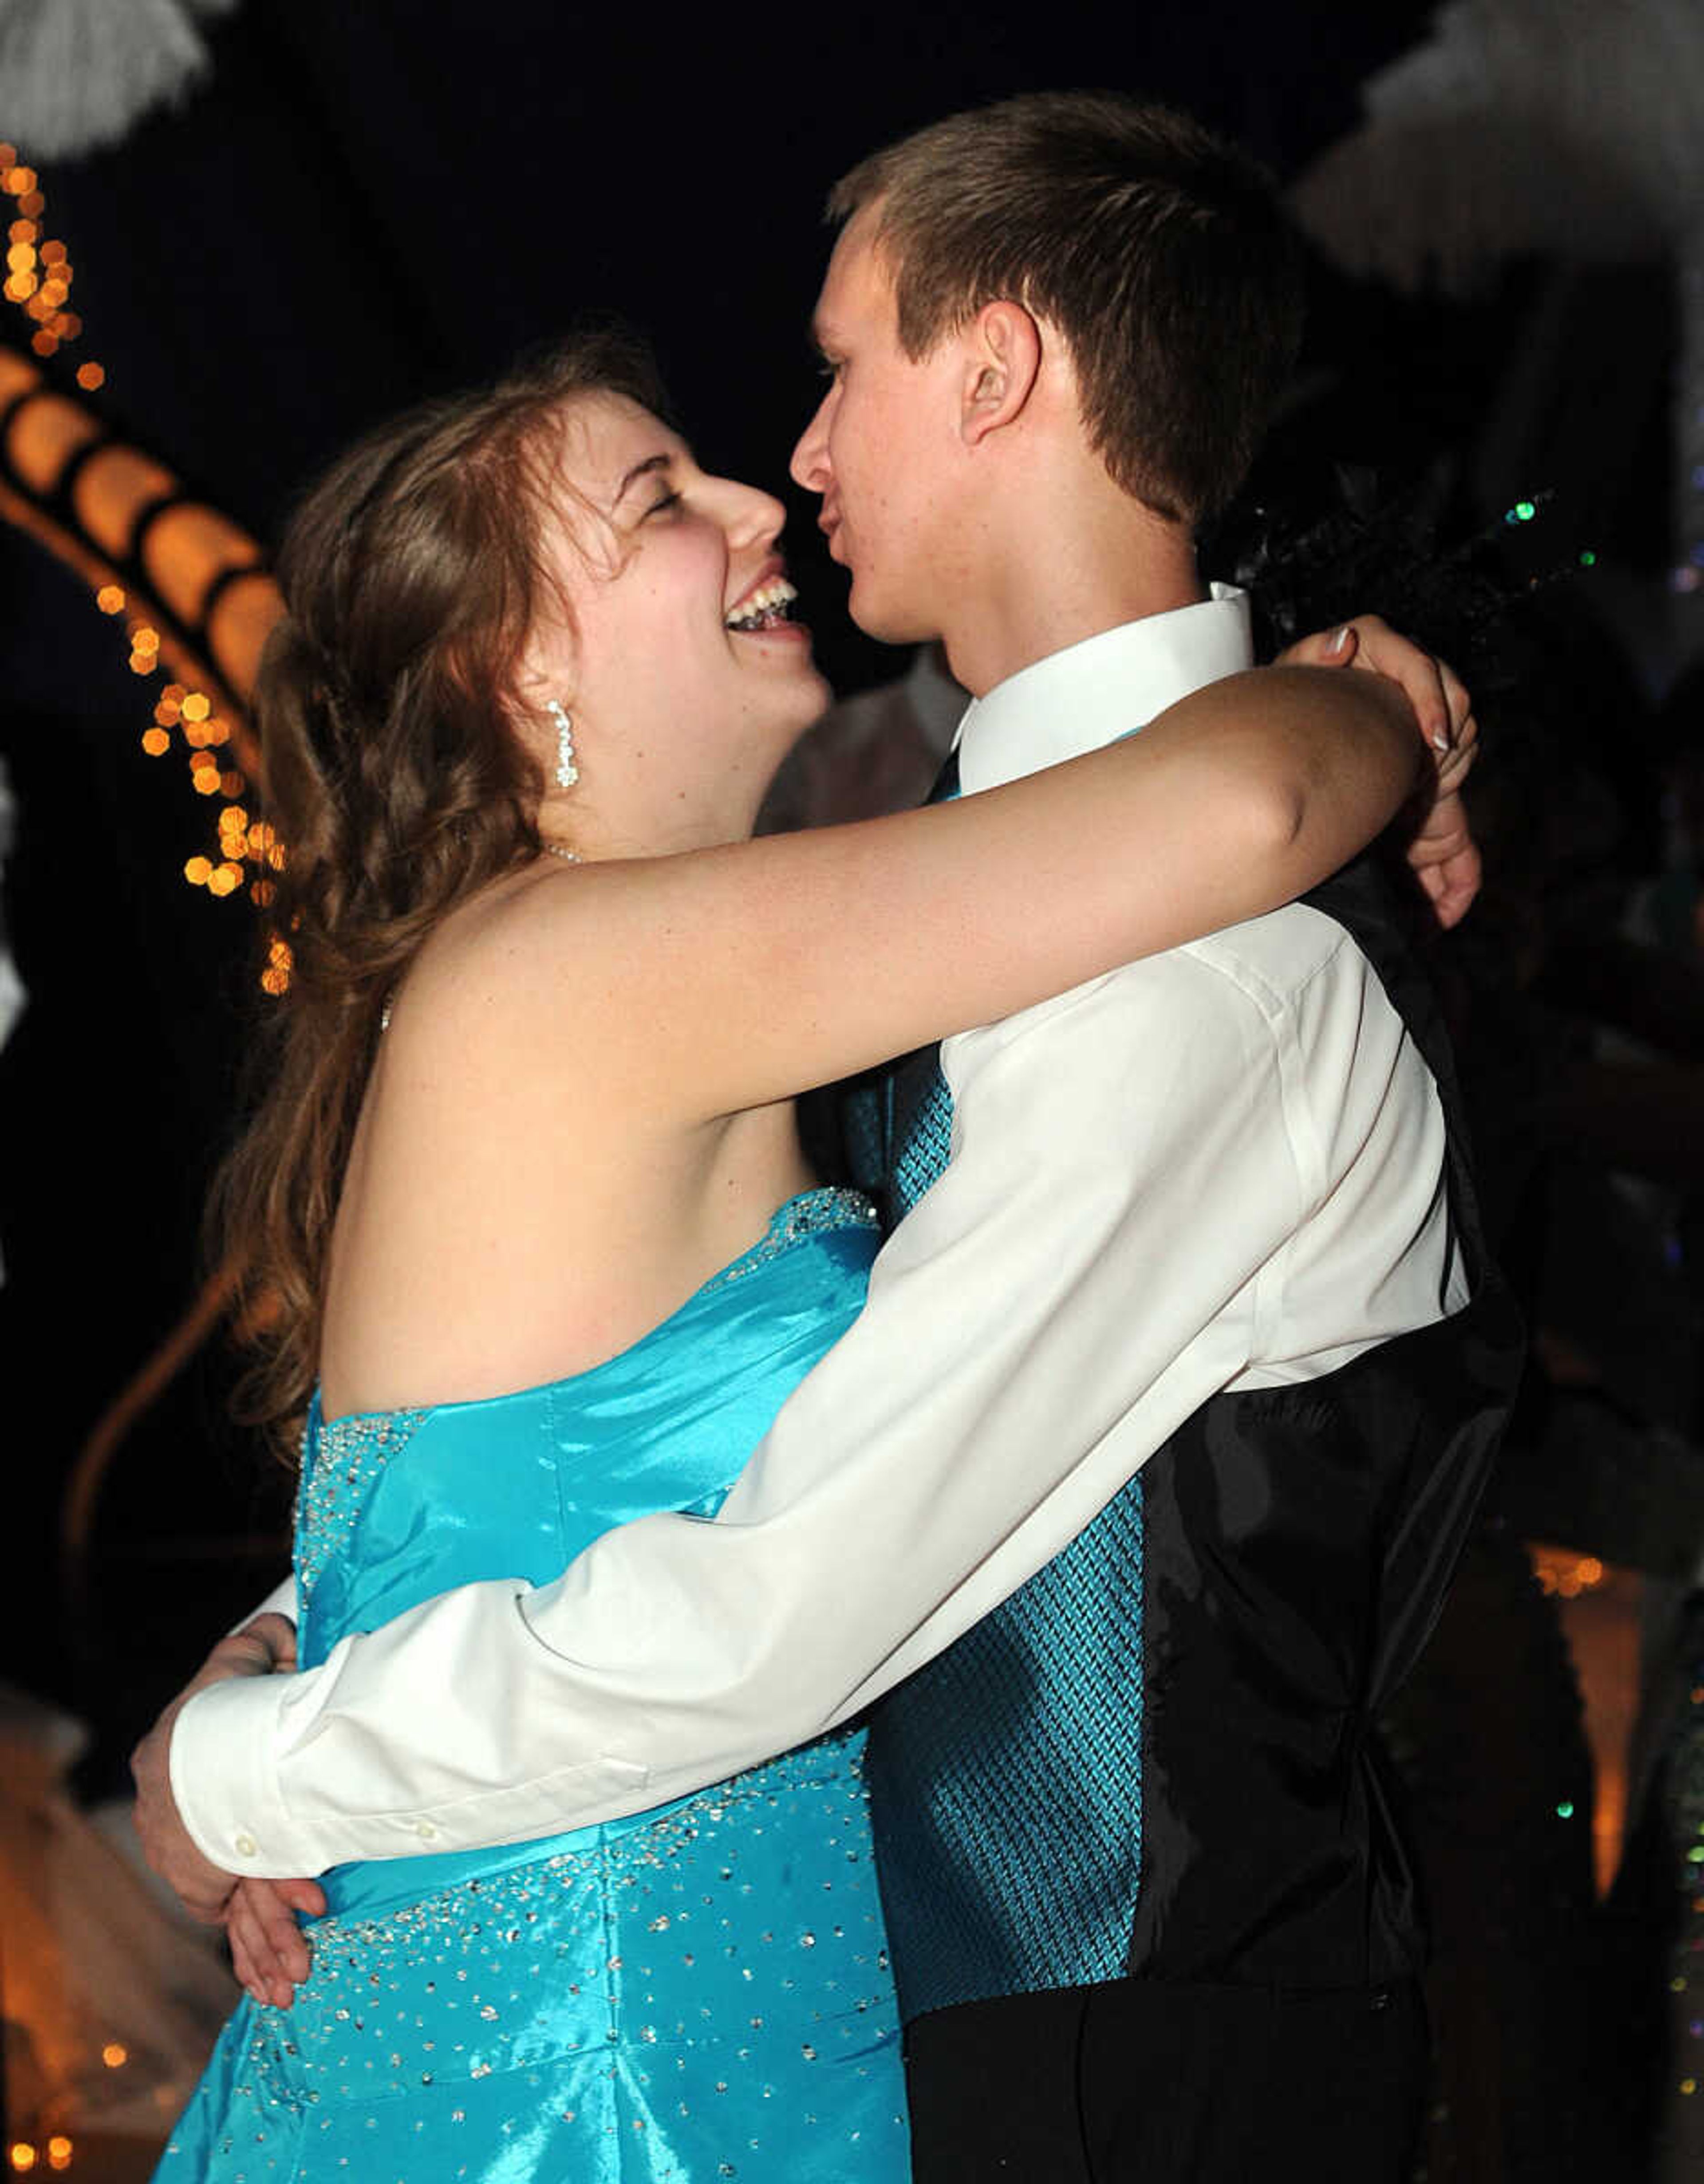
(753,514)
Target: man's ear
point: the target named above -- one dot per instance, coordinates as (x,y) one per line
(1002,361)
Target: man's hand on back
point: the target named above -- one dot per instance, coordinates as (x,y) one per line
(259,1649)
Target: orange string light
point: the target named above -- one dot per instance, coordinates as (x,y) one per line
(39,278)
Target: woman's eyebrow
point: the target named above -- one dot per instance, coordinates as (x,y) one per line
(651,463)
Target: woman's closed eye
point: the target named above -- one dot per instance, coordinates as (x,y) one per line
(662,504)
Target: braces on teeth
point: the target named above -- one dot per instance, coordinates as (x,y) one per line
(768,604)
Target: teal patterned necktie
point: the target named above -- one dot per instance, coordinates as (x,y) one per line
(919,1106)
(1007,1775)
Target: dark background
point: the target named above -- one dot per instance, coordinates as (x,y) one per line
(364,206)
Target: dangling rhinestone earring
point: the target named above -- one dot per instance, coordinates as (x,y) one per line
(567,773)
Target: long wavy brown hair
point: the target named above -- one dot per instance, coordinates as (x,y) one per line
(398,787)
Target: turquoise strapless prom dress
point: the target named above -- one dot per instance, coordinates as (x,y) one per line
(699,1992)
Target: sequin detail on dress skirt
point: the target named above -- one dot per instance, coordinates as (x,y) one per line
(703,1994)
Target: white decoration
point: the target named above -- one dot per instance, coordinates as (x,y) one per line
(77,76)
(1567,125)
(1571,127)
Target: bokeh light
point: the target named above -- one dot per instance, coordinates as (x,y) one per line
(38,278)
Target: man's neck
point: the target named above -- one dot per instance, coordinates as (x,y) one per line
(1057,593)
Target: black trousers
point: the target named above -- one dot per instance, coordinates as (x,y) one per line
(1141,2081)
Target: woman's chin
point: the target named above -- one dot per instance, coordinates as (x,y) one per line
(808,696)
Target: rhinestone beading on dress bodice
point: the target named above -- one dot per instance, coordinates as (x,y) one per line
(811,1213)
(342,1459)
(339,1466)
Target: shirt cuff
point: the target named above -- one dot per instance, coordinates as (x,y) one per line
(230,1746)
(226,1780)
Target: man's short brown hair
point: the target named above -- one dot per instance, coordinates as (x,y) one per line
(1159,252)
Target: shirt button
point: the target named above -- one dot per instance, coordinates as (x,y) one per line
(246,1846)
(426,1831)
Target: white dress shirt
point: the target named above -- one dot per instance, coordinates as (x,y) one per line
(1220,1168)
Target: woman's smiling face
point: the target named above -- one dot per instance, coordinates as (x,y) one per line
(686,678)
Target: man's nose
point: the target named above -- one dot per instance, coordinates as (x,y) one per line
(809,466)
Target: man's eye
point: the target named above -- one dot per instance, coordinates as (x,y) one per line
(667,501)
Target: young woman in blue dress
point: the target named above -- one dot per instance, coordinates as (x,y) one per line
(538,1249)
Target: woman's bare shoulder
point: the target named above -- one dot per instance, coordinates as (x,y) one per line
(554,941)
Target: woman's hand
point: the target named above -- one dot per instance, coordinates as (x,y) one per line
(1441,849)
(1437,693)
(269,1951)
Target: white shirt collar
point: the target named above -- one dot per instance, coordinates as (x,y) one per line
(1091,694)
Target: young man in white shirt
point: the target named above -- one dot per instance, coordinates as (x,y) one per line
(1207,1215)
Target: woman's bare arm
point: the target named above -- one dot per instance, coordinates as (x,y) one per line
(730,978)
